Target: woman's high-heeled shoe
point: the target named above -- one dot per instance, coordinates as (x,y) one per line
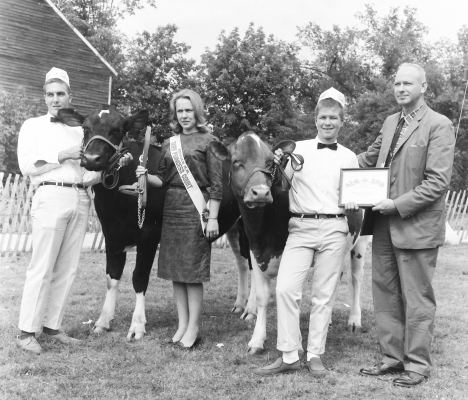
(196,343)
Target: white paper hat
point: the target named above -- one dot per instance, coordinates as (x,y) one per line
(334,94)
(58,74)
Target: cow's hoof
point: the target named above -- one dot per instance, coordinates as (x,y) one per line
(99,330)
(135,336)
(353,328)
(255,351)
(237,310)
(247,317)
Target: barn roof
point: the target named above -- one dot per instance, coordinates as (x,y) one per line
(34,37)
(81,36)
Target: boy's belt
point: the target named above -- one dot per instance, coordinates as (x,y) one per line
(64,184)
(317,216)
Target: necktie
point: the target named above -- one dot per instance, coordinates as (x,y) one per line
(332,146)
(54,119)
(396,135)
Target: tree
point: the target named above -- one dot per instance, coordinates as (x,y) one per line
(361,62)
(15,108)
(395,39)
(96,20)
(251,83)
(156,68)
(338,59)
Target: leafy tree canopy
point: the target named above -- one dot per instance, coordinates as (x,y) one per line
(156,68)
(15,108)
(250,83)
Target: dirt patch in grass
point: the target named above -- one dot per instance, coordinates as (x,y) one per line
(109,367)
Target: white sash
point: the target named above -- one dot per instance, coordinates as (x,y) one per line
(188,180)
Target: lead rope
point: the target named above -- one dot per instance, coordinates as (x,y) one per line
(461,110)
(273,174)
(297,162)
(142,186)
(141,215)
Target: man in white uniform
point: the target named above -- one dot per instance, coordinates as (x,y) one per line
(317,233)
(49,152)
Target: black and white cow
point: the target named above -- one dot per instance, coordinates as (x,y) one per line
(265,213)
(118,212)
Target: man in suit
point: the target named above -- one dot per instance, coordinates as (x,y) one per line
(417,144)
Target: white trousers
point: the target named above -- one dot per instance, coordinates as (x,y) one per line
(324,242)
(60,217)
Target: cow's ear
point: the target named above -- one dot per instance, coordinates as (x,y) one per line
(137,120)
(287,146)
(219,150)
(70,117)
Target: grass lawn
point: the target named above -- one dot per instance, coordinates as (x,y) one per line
(109,367)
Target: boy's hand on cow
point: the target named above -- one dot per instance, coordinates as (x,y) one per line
(125,160)
(277,156)
(73,153)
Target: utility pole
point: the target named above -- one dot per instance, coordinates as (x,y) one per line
(464,80)
(465,64)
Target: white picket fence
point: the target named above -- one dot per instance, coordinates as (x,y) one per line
(15,219)
(16,195)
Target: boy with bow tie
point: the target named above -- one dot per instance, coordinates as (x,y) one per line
(317,233)
(49,152)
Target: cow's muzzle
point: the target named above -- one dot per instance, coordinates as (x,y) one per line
(93,162)
(258,196)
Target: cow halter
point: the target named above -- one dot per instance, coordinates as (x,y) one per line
(241,193)
(297,162)
(113,165)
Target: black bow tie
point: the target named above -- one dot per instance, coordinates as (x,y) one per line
(54,119)
(332,146)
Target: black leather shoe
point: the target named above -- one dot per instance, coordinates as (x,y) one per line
(196,343)
(380,369)
(409,379)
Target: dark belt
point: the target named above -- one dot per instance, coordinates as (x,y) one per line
(317,216)
(64,184)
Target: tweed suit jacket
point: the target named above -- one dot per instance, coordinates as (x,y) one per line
(420,174)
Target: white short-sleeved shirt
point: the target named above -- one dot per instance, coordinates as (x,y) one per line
(41,139)
(317,184)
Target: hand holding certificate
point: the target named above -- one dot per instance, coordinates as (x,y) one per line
(363,186)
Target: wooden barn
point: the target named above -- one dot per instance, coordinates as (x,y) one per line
(34,37)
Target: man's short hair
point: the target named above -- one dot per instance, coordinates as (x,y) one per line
(56,80)
(417,67)
(329,103)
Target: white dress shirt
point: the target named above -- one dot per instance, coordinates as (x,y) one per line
(40,139)
(317,184)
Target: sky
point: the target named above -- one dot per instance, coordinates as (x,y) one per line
(200,22)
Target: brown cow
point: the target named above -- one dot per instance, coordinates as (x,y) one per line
(265,213)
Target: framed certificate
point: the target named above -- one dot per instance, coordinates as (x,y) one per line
(363,186)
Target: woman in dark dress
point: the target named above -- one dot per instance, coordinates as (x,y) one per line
(185,252)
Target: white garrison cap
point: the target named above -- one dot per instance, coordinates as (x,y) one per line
(58,74)
(334,94)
